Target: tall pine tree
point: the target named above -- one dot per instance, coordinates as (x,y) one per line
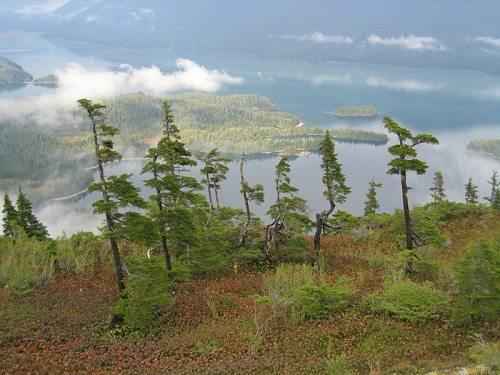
(471,193)
(494,182)
(405,160)
(117,192)
(175,192)
(371,204)
(438,193)
(250,194)
(28,221)
(288,214)
(336,189)
(10,219)
(214,171)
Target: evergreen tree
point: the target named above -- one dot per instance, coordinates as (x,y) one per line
(471,193)
(10,219)
(117,192)
(336,190)
(371,203)
(405,161)
(289,213)
(28,221)
(437,190)
(250,194)
(496,202)
(494,182)
(175,193)
(214,171)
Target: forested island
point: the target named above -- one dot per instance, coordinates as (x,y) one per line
(11,74)
(488,147)
(367,111)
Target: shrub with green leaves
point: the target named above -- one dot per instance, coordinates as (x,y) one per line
(410,301)
(297,293)
(478,281)
(148,292)
(486,354)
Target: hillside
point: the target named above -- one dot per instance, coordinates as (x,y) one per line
(217,327)
(488,147)
(12,74)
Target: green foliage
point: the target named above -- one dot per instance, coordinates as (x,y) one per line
(410,301)
(296,293)
(343,222)
(148,292)
(338,365)
(478,277)
(494,182)
(214,172)
(10,218)
(486,354)
(371,204)
(27,221)
(471,193)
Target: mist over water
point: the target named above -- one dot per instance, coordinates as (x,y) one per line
(455,105)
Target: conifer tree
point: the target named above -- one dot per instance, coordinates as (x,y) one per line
(28,221)
(471,193)
(494,182)
(250,194)
(405,153)
(117,192)
(289,212)
(10,219)
(438,194)
(496,202)
(371,204)
(214,171)
(336,190)
(175,193)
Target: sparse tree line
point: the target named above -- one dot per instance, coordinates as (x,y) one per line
(177,213)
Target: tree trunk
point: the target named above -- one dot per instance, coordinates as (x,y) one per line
(163,236)
(115,251)
(244,233)
(217,202)
(406,210)
(317,236)
(209,189)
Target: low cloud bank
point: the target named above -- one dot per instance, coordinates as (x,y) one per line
(77,81)
(409,85)
(410,42)
(488,40)
(320,38)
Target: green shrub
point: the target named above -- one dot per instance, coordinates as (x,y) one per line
(338,365)
(148,291)
(486,355)
(478,281)
(295,292)
(410,301)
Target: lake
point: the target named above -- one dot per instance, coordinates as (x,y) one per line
(455,105)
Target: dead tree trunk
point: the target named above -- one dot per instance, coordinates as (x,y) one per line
(244,193)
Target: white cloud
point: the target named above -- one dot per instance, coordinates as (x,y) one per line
(42,7)
(320,38)
(411,42)
(409,85)
(488,40)
(327,79)
(77,81)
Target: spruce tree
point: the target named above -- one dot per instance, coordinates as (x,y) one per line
(336,189)
(175,193)
(27,220)
(214,171)
(288,213)
(10,219)
(494,182)
(117,192)
(405,160)
(250,194)
(438,194)
(471,193)
(371,204)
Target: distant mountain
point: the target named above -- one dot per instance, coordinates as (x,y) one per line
(12,74)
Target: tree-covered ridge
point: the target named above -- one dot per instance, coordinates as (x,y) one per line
(12,74)
(490,147)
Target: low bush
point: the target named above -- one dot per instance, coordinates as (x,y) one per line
(478,282)
(487,355)
(297,293)
(338,365)
(148,292)
(410,301)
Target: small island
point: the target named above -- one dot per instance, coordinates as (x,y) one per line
(368,111)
